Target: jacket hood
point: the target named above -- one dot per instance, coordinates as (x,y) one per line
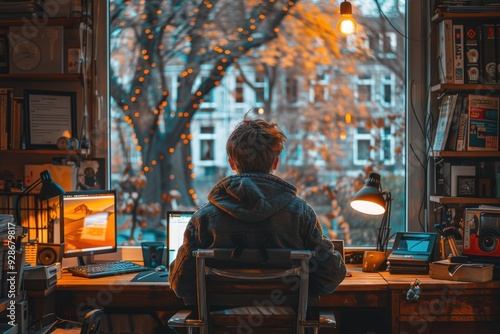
(252,197)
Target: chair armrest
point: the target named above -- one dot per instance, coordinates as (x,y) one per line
(327,319)
(180,319)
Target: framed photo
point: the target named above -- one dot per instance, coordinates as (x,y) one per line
(466,186)
(4,54)
(49,115)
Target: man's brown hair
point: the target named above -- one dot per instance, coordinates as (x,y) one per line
(254,145)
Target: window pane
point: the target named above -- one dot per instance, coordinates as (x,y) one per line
(341,103)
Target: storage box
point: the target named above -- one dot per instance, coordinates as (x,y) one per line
(65,176)
(467,272)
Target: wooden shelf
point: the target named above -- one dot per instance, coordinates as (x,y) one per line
(465,200)
(466,154)
(43,77)
(44,21)
(466,87)
(442,15)
(41,152)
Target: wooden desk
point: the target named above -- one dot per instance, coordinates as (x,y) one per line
(365,302)
(444,306)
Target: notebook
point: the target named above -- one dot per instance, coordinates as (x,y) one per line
(176,225)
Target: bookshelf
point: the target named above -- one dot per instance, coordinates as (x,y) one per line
(441,180)
(58,35)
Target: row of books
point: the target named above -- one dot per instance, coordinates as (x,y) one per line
(11,120)
(18,9)
(467,122)
(469,52)
(466,5)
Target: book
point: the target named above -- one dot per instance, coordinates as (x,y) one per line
(445,56)
(451,141)
(462,126)
(467,272)
(6,102)
(458,53)
(472,52)
(488,54)
(482,129)
(446,109)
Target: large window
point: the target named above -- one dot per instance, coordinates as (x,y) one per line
(340,100)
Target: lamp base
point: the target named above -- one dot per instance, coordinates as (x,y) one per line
(374,261)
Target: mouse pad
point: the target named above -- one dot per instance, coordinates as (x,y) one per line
(151,276)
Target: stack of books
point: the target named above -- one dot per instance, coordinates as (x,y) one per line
(13,9)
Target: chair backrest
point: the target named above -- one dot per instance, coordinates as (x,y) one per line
(252,278)
(92,322)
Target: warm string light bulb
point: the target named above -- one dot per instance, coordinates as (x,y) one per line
(346,24)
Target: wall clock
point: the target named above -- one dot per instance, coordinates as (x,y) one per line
(26,55)
(37,50)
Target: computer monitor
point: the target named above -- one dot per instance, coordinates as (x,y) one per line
(176,225)
(88,223)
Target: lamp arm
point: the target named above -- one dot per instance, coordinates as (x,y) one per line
(21,195)
(385,224)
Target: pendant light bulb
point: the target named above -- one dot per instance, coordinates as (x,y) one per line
(346,24)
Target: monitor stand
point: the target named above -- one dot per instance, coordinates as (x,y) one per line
(83,260)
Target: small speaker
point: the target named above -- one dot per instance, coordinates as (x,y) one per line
(22,317)
(47,254)
(152,253)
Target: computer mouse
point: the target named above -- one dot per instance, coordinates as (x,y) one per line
(161,268)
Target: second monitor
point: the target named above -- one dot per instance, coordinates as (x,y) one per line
(88,223)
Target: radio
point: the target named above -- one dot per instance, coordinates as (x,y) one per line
(481,233)
(40,277)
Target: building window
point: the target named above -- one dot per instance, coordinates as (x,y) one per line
(291,89)
(365,82)
(260,88)
(362,152)
(320,89)
(239,96)
(207,150)
(387,90)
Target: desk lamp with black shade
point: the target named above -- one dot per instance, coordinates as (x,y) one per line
(48,190)
(372,200)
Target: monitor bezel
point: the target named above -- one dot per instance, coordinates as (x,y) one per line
(91,253)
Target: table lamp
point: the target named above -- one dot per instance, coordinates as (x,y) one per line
(372,200)
(49,189)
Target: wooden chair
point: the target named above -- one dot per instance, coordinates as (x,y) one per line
(91,324)
(260,291)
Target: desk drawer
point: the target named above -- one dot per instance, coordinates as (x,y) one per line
(355,299)
(454,302)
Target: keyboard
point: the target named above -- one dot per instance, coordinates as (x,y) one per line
(106,269)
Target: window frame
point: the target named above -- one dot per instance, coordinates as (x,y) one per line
(417,65)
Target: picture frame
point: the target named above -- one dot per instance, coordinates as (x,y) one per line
(466,186)
(49,115)
(4,54)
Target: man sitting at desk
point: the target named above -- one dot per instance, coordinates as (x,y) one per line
(255,209)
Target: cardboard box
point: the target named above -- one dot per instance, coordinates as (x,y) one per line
(65,176)
(467,272)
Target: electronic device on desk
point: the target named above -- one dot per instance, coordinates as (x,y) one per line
(40,277)
(481,238)
(176,225)
(95,270)
(412,252)
(89,227)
